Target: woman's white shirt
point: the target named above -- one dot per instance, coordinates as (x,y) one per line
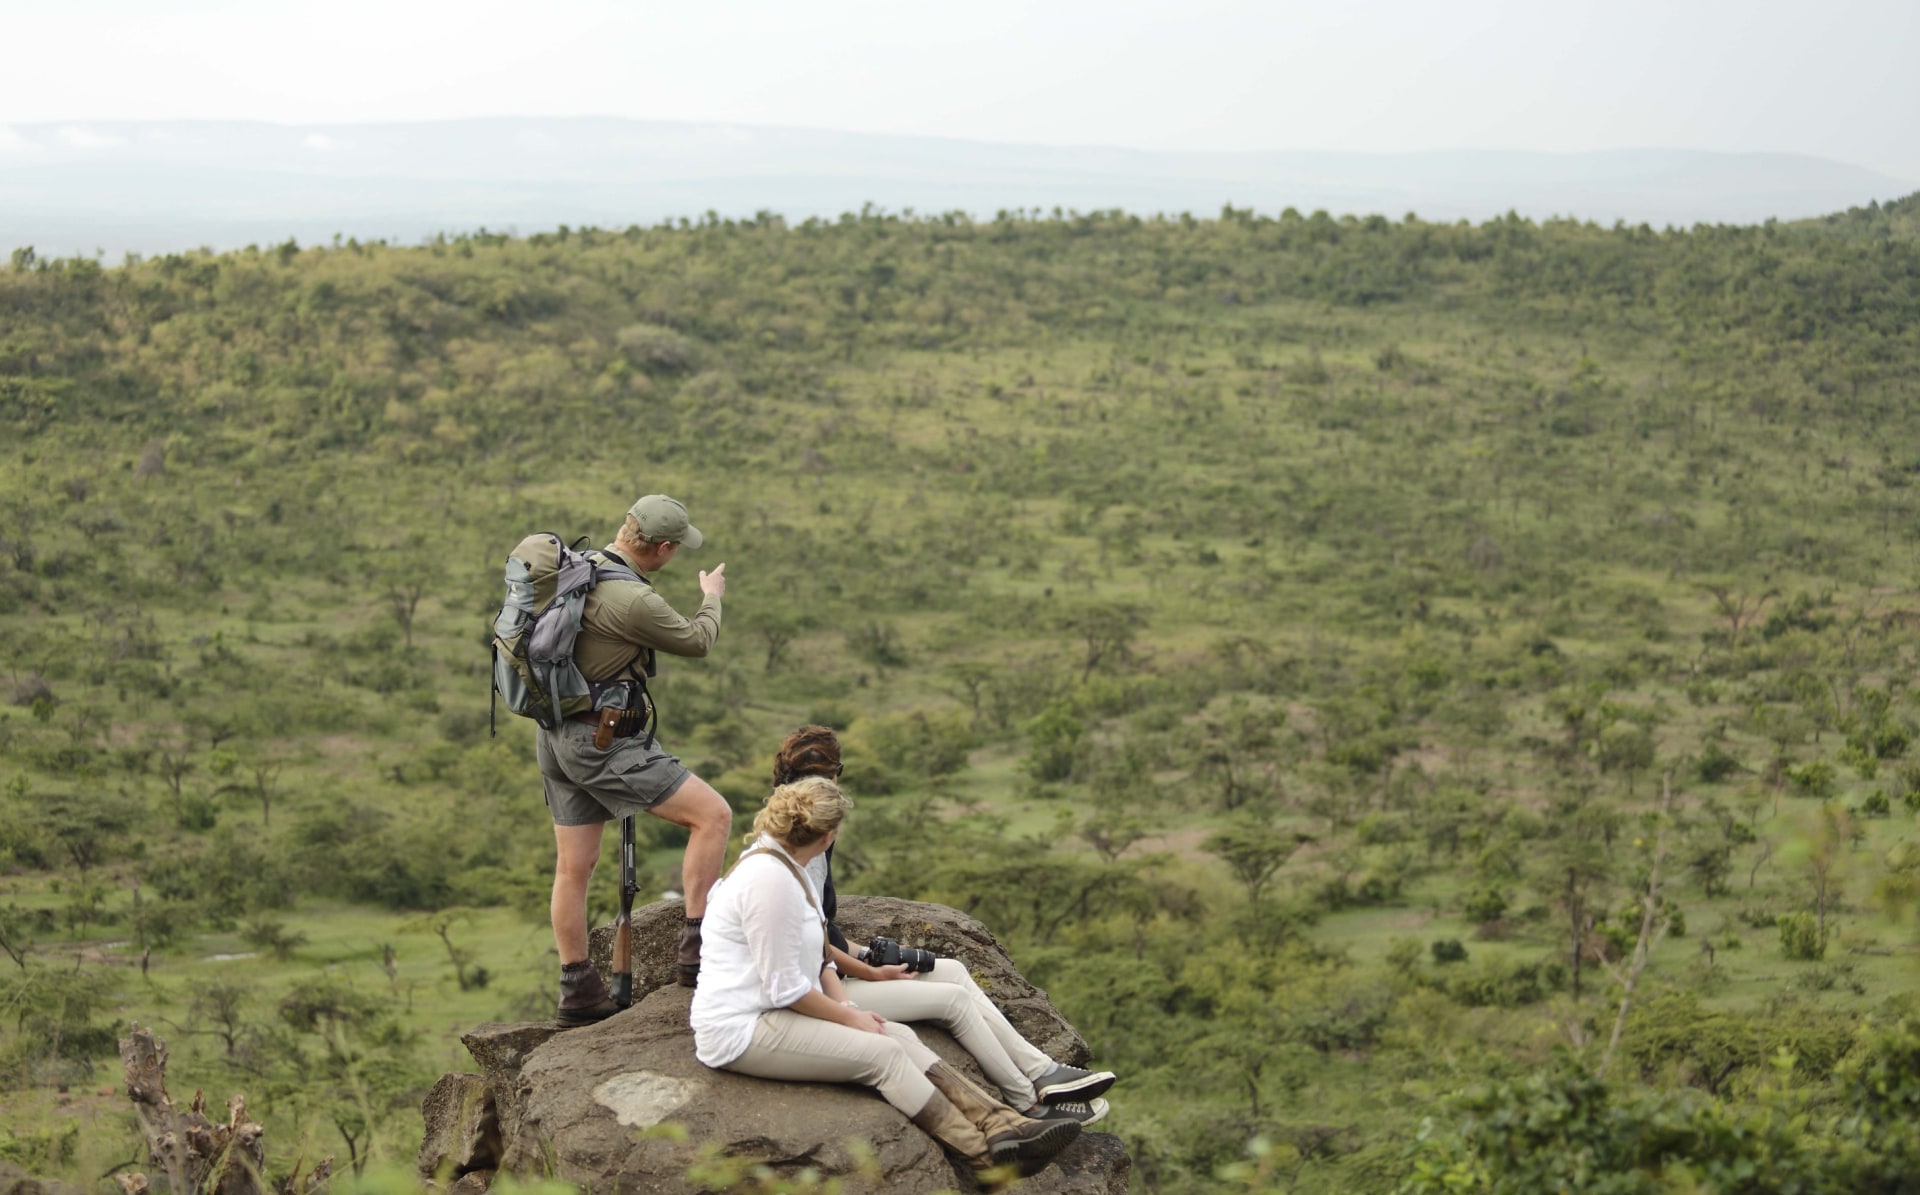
(760,949)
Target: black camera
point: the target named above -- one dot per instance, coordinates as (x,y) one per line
(885,952)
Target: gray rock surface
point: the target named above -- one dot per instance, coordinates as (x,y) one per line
(15,1181)
(588,1105)
(463,1128)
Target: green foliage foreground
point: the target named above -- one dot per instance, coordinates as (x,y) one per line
(1343,659)
(1565,1130)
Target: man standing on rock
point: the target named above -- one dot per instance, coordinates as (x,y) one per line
(622,625)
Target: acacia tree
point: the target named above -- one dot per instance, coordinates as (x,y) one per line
(1106,631)
(220,1009)
(1572,871)
(974,679)
(262,785)
(779,632)
(1828,846)
(1254,851)
(1738,610)
(1235,751)
(409,576)
(13,936)
(1627,748)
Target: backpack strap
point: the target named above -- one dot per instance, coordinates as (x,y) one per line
(607,567)
(611,568)
(826,945)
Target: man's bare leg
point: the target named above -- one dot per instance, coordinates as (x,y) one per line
(576,850)
(584,998)
(709,822)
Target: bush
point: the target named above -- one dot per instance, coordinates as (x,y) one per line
(1504,984)
(1488,904)
(273,937)
(1449,950)
(1800,937)
(1378,829)
(64,1020)
(1816,779)
(1715,765)
(1403,956)
(1564,1129)
(197,814)
(917,744)
(1758,916)
(657,349)
(1053,740)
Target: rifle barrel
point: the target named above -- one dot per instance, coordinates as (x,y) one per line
(620,983)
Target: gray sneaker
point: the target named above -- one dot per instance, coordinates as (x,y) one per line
(1086,1112)
(1063,1083)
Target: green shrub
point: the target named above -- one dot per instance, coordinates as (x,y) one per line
(1715,765)
(1488,904)
(1817,779)
(1053,740)
(1502,983)
(1800,937)
(918,744)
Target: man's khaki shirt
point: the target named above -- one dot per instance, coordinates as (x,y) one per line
(621,616)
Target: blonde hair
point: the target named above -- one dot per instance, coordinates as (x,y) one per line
(630,531)
(802,813)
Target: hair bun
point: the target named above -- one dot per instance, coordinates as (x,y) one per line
(803,812)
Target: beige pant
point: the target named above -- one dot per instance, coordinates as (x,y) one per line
(948,996)
(793,1046)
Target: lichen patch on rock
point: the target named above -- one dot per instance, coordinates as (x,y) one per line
(642,1099)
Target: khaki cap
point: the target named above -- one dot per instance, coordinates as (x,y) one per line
(663,520)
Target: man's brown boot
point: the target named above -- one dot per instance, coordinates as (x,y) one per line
(1010,1137)
(686,963)
(584,998)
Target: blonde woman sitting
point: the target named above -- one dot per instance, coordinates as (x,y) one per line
(947,995)
(770,1004)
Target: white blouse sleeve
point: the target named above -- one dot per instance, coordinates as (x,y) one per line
(776,939)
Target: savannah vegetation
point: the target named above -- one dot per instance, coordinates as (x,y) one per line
(1430,702)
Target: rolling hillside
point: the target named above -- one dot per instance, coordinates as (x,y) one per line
(1329,652)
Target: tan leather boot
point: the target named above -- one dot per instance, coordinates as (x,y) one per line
(1010,1137)
(943,1122)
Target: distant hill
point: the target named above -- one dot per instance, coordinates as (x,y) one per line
(159,186)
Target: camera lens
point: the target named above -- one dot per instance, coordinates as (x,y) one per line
(886,952)
(917,960)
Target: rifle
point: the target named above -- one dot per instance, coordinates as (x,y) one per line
(622,979)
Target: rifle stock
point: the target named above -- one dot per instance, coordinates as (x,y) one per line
(620,983)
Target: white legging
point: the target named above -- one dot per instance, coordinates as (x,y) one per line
(949,997)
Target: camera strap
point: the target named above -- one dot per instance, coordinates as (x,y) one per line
(806,889)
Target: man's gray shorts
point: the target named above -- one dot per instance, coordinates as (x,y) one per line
(586,785)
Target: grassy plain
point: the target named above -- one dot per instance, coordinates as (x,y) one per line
(1224,610)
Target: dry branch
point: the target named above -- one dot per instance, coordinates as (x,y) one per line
(1649,919)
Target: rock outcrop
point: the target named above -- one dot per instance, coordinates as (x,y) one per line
(15,1181)
(585,1105)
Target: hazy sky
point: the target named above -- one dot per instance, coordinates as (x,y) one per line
(1838,79)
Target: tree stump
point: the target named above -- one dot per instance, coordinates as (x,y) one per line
(198,1156)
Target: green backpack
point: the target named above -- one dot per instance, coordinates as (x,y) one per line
(534,674)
